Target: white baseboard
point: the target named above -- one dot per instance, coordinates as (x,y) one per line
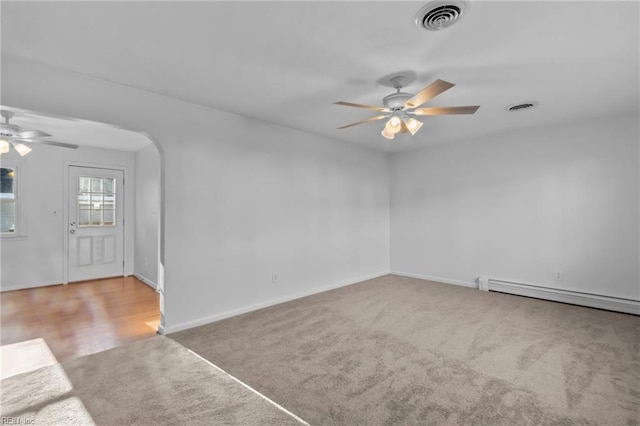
(266,304)
(4,287)
(599,301)
(146,281)
(470,284)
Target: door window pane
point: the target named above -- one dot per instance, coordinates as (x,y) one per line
(109,202)
(84,183)
(109,217)
(7,200)
(84,217)
(84,201)
(96,201)
(96,217)
(109,185)
(96,185)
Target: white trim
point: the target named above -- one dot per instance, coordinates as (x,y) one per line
(12,237)
(261,305)
(470,284)
(146,281)
(4,288)
(610,303)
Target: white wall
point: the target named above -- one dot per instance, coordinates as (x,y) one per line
(521,206)
(147,230)
(35,257)
(243,198)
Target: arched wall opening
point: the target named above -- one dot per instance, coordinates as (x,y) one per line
(38,253)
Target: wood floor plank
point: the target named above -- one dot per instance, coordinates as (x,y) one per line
(80,318)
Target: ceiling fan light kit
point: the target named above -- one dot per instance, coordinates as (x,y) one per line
(14,136)
(387,133)
(4,146)
(413,125)
(21,149)
(401,107)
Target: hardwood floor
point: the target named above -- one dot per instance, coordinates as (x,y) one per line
(81,318)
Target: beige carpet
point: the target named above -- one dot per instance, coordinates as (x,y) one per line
(25,356)
(151,382)
(403,351)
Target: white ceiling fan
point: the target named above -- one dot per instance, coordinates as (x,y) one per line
(401,107)
(16,137)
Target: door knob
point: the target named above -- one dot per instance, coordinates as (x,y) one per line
(73,223)
(72,231)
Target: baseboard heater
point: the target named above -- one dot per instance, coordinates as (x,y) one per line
(617,304)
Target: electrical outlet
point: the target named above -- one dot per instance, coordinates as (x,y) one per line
(275,277)
(558,276)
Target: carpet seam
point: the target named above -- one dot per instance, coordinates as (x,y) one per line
(275,404)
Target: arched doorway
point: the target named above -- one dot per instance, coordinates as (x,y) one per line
(36,253)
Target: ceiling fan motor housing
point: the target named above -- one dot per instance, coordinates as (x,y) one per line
(396,101)
(8,130)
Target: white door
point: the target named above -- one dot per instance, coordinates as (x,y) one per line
(96,224)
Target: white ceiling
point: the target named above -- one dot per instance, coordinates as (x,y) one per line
(79,132)
(287,62)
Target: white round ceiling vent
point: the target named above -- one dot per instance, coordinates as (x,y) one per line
(520,107)
(438,15)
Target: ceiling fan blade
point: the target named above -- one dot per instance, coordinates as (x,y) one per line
(446,110)
(429,92)
(373,108)
(368,120)
(44,142)
(28,134)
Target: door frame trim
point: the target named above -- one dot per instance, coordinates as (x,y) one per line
(126,211)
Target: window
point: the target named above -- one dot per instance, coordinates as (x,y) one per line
(8,200)
(96,201)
